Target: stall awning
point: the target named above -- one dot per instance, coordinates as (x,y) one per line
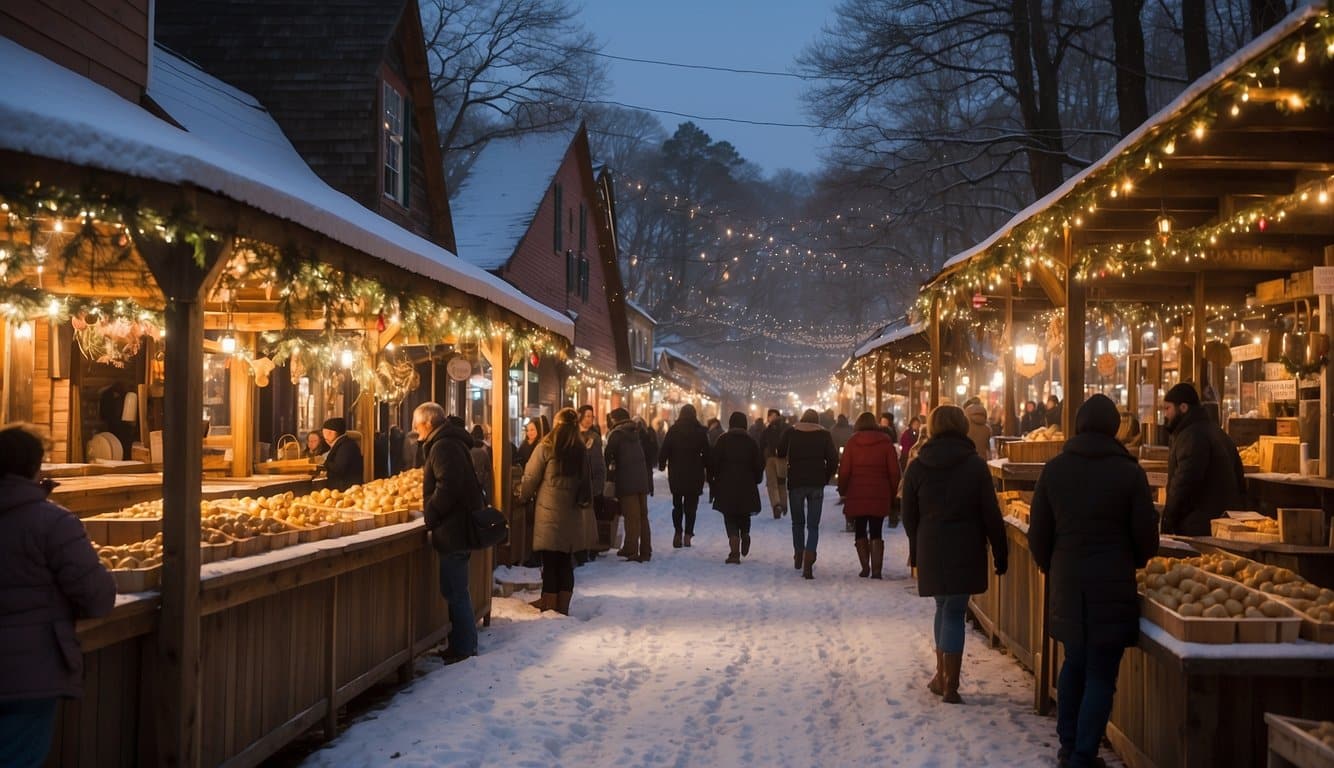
(230,146)
(889,337)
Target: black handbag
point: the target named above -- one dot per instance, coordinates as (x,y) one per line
(485,526)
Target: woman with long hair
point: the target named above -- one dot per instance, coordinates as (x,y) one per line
(868,480)
(950,515)
(557,477)
(532,432)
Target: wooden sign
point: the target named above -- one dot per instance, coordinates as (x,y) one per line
(459,368)
(1276,391)
(1323,280)
(1245,352)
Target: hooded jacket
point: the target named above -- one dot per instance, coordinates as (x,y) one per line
(1092,524)
(950,515)
(736,469)
(1204,475)
(627,465)
(684,454)
(49,576)
(979,429)
(344,464)
(811,456)
(450,488)
(868,474)
(558,524)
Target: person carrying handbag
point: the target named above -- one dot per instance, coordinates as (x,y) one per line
(558,478)
(450,494)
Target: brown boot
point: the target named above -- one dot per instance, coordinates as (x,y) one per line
(676,540)
(807,563)
(563,603)
(796,559)
(734,556)
(953,662)
(864,557)
(937,684)
(547,602)
(877,558)
(745,545)
(687,539)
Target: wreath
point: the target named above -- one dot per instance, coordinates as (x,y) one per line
(1302,371)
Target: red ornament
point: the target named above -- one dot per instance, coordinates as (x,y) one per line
(1263,224)
(533,359)
(379,323)
(979,300)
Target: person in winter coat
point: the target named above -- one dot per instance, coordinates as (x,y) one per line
(315,445)
(1051,417)
(911,434)
(950,514)
(628,480)
(51,577)
(812,461)
(868,480)
(1204,472)
(597,472)
(756,431)
(450,492)
(558,477)
(1031,419)
(775,468)
(532,432)
(979,431)
(684,455)
(481,459)
(842,431)
(887,426)
(1092,525)
(650,439)
(343,464)
(735,470)
(715,431)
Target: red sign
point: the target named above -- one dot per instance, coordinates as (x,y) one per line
(979,301)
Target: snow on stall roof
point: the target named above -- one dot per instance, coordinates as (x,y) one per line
(889,337)
(231,146)
(498,200)
(1308,9)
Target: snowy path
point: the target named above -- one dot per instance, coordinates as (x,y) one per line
(687,661)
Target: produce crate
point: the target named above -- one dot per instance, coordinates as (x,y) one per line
(1292,744)
(1222,631)
(319,532)
(1280,454)
(212,553)
(247,547)
(110,530)
(1234,530)
(1271,290)
(1033,451)
(1301,526)
(287,538)
(130,580)
(1312,628)
(1301,285)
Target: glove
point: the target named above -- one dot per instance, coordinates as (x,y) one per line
(1002,565)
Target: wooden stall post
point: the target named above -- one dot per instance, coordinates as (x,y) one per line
(242,410)
(183,282)
(934,374)
(1011,424)
(1073,359)
(501,450)
(1198,334)
(365,414)
(1326,382)
(879,382)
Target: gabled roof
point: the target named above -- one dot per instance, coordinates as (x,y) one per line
(889,336)
(229,147)
(495,205)
(633,305)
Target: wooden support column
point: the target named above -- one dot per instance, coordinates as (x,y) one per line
(1010,426)
(879,382)
(497,355)
(1327,383)
(364,413)
(241,407)
(1198,320)
(183,283)
(933,374)
(1073,360)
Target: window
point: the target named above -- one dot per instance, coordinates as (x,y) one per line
(558,240)
(583,278)
(395,145)
(571,272)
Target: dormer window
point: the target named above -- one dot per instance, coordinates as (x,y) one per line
(395,145)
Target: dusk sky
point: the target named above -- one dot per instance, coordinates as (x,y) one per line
(743,34)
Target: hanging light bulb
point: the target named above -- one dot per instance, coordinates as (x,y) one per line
(346,358)
(53,308)
(227,343)
(1301,53)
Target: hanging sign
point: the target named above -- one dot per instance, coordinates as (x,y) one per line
(1323,280)
(1245,352)
(459,368)
(1106,365)
(1276,391)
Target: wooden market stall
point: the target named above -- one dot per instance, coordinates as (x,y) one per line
(149,245)
(870,376)
(1195,251)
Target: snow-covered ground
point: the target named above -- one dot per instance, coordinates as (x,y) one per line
(687,661)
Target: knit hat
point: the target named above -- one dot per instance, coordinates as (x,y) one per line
(337,424)
(1182,393)
(1098,414)
(737,420)
(619,415)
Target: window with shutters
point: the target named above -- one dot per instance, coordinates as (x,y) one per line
(571,272)
(583,278)
(558,239)
(395,144)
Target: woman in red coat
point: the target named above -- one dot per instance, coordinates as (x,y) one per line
(868,480)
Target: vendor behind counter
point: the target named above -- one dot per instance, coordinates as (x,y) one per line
(343,464)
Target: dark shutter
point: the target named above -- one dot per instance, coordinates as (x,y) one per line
(405,172)
(583,278)
(571,272)
(583,228)
(558,242)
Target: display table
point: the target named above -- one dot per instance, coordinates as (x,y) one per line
(287,637)
(1267,491)
(95,494)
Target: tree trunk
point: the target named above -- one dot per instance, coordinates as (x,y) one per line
(1195,37)
(1132,103)
(1038,100)
(1265,14)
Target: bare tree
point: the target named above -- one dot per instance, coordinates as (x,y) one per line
(1132,99)
(505,67)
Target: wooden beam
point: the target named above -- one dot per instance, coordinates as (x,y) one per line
(1011,422)
(241,404)
(1326,446)
(1051,284)
(935,353)
(496,353)
(879,382)
(1198,333)
(1073,360)
(182,281)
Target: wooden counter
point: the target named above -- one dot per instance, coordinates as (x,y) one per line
(1267,491)
(95,494)
(287,638)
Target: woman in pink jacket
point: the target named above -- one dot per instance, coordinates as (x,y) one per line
(868,480)
(49,576)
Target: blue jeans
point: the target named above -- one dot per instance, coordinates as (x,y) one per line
(806,503)
(950,610)
(26,728)
(1084,694)
(454,588)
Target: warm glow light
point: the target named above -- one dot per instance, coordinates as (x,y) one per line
(53,308)
(1028,354)
(1170,148)
(346,358)
(227,344)
(1199,131)
(23,331)
(962,390)
(1301,53)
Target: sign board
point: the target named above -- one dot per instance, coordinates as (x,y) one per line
(1245,352)
(1323,280)
(1276,391)
(1106,365)
(459,368)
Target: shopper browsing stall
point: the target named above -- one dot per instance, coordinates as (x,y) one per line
(1204,472)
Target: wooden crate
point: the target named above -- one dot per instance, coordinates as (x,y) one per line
(1297,525)
(1194,629)
(1291,743)
(113,531)
(1235,530)
(287,538)
(1280,454)
(130,580)
(1271,290)
(1034,451)
(318,532)
(212,553)
(247,547)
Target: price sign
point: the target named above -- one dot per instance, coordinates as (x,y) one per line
(1276,391)
(459,369)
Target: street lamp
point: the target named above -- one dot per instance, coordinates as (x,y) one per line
(1028,354)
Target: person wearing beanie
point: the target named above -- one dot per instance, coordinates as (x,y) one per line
(735,470)
(1204,472)
(343,464)
(812,460)
(1092,525)
(628,480)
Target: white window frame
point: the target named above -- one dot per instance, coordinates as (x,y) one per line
(395,176)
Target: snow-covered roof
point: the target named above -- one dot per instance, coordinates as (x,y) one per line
(1308,9)
(673,354)
(230,146)
(634,305)
(497,201)
(889,337)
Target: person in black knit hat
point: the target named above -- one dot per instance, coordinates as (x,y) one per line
(343,464)
(1204,473)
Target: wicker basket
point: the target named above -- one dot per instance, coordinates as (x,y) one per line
(1033,452)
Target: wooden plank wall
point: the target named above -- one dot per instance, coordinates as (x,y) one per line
(50,397)
(103,40)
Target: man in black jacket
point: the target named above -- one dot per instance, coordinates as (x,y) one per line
(343,463)
(812,461)
(684,456)
(1204,473)
(1092,525)
(450,492)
